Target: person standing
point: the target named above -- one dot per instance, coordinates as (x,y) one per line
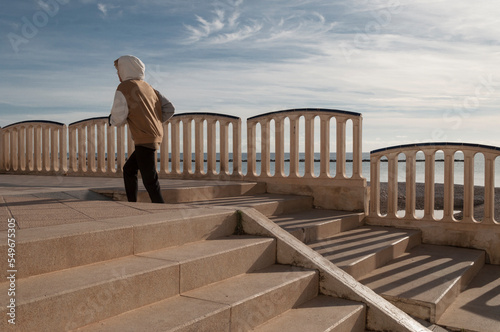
(145,110)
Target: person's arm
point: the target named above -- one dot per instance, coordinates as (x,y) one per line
(119,111)
(167,109)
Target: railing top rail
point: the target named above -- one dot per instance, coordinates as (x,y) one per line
(302,110)
(435,144)
(34,122)
(205,114)
(89,119)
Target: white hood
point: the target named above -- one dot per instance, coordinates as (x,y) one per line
(131,68)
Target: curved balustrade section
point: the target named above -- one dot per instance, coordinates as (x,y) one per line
(205,142)
(333,191)
(429,150)
(95,148)
(33,147)
(309,115)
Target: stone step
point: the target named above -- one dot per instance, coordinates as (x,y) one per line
(48,249)
(321,314)
(98,291)
(267,204)
(426,280)
(317,224)
(239,303)
(477,308)
(361,250)
(188,191)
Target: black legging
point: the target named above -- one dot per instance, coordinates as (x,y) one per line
(143,159)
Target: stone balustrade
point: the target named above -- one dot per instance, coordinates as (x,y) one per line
(334,191)
(33,147)
(449,150)
(92,148)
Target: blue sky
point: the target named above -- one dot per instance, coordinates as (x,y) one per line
(417,70)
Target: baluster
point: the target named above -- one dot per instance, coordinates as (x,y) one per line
(237,148)
(101,147)
(449,185)
(429,184)
(186,147)
(251,149)
(13,149)
(63,148)
(341,148)
(198,146)
(54,149)
(176,162)
(164,150)
(489,188)
(279,155)
(38,147)
(357,156)
(21,147)
(469,186)
(392,185)
(46,148)
(325,147)
(309,140)
(211,147)
(82,149)
(29,148)
(72,149)
(411,179)
(3,150)
(375,186)
(111,149)
(120,147)
(224,147)
(294,146)
(265,143)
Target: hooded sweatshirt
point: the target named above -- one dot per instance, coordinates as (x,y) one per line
(139,105)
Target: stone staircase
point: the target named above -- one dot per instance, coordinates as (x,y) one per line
(192,269)
(429,282)
(182,271)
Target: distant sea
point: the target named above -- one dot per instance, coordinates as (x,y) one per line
(420,167)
